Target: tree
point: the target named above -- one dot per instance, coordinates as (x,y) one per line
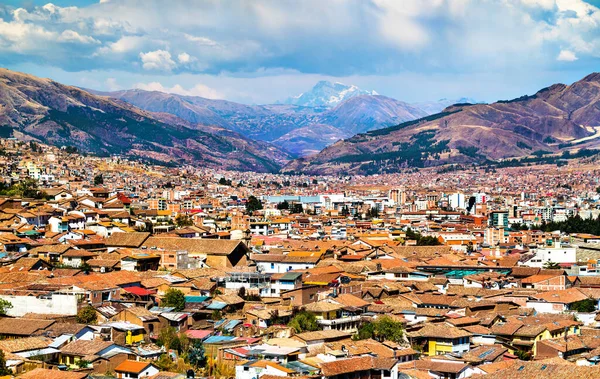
(3,369)
(304,322)
(87,315)
(242,292)
(174,298)
(386,329)
(216,315)
(183,220)
(98,180)
(168,338)
(196,355)
(365,331)
(345,211)
(253,204)
(297,208)
(586,306)
(283,205)
(549,265)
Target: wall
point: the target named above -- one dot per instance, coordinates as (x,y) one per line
(58,304)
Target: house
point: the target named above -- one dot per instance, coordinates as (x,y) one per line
(142,317)
(134,370)
(218,253)
(22,327)
(361,367)
(101,356)
(555,301)
(281,263)
(439,339)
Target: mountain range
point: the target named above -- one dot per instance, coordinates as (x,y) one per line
(364,134)
(33,108)
(327,94)
(556,119)
(300,130)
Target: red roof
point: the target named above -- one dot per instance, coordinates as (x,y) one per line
(198,334)
(139,291)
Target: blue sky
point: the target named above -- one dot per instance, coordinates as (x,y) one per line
(261,51)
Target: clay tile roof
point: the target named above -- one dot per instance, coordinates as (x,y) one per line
(23,326)
(127,239)
(133,367)
(346,366)
(83,347)
(23,344)
(52,374)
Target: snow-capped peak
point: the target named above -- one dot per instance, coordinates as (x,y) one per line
(327,94)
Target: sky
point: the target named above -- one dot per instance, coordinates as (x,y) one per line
(262,51)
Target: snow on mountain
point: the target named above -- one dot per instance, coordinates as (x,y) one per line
(327,94)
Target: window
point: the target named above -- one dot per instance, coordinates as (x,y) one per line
(272,265)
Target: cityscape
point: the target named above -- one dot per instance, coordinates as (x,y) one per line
(299,189)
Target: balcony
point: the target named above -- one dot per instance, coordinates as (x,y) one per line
(339,321)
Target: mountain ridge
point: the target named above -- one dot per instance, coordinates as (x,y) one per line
(554,119)
(57,114)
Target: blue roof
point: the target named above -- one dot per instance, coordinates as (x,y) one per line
(232,324)
(215,339)
(196,299)
(218,305)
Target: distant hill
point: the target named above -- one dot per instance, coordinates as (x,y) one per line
(433,107)
(57,114)
(281,124)
(558,118)
(327,94)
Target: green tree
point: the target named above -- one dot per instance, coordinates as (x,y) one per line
(549,265)
(386,329)
(174,298)
(87,315)
(365,331)
(3,369)
(304,322)
(196,355)
(216,315)
(169,338)
(183,220)
(587,306)
(283,205)
(98,180)
(253,204)
(5,305)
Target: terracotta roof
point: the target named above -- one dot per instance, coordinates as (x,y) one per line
(83,347)
(127,239)
(52,374)
(133,367)
(537,370)
(23,326)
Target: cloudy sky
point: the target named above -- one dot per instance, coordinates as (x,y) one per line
(261,51)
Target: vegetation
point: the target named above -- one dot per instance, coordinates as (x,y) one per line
(87,315)
(171,340)
(174,298)
(3,369)
(183,220)
(25,188)
(382,329)
(421,240)
(253,204)
(225,182)
(98,180)
(587,306)
(551,265)
(573,224)
(304,321)
(195,355)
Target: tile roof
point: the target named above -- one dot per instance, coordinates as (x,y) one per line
(133,367)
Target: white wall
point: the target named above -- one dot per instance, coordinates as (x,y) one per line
(59,304)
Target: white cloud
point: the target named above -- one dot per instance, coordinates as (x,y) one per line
(73,36)
(566,56)
(185,58)
(200,40)
(159,60)
(198,90)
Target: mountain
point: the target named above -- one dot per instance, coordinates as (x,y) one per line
(297,129)
(367,112)
(433,107)
(327,94)
(555,119)
(57,114)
